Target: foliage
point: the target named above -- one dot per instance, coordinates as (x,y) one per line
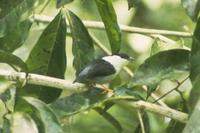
(34,108)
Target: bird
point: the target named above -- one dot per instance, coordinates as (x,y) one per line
(103,70)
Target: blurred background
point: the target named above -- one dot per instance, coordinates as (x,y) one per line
(154,14)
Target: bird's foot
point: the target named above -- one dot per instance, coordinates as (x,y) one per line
(106,90)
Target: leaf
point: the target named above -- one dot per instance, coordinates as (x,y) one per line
(158,46)
(176,126)
(109,118)
(48,57)
(109,18)
(60,3)
(76,103)
(195,67)
(192,8)
(133,3)
(163,65)
(50,123)
(125,91)
(82,48)
(13,61)
(16,37)
(195,53)
(21,123)
(13,12)
(193,123)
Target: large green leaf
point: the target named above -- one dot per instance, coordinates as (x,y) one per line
(21,123)
(60,3)
(110,118)
(109,18)
(193,123)
(163,65)
(83,49)
(13,12)
(192,7)
(133,3)
(45,115)
(195,67)
(13,61)
(16,37)
(48,57)
(76,103)
(195,53)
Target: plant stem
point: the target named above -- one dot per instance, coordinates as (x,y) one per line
(124,28)
(141,121)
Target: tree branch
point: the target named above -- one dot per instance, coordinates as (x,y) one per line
(124,28)
(168,112)
(37,79)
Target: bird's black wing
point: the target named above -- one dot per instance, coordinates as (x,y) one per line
(97,68)
(100,68)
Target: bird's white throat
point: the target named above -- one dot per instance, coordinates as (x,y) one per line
(117,62)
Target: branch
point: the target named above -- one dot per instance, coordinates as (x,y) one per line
(124,28)
(168,112)
(37,79)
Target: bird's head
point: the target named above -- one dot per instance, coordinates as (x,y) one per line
(124,56)
(118,60)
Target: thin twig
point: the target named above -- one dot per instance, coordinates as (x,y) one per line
(141,121)
(175,88)
(124,28)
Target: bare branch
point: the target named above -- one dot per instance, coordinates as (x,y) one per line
(124,28)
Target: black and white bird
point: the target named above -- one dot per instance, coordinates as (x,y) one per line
(103,70)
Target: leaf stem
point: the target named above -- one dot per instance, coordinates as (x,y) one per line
(124,28)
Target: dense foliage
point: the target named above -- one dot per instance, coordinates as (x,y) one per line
(59,47)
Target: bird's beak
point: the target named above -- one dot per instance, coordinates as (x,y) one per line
(131,59)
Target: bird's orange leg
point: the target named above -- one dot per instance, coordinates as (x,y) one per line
(106,89)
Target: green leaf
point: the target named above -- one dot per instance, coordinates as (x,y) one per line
(193,123)
(163,65)
(176,126)
(109,118)
(13,61)
(48,57)
(60,3)
(133,3)
(158,46)
(76,103)
(195,67)
(16,37)
(13,12)
(109,18)
(192,8)
(83,49)
(195,53)
(21,123)
(50,123)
